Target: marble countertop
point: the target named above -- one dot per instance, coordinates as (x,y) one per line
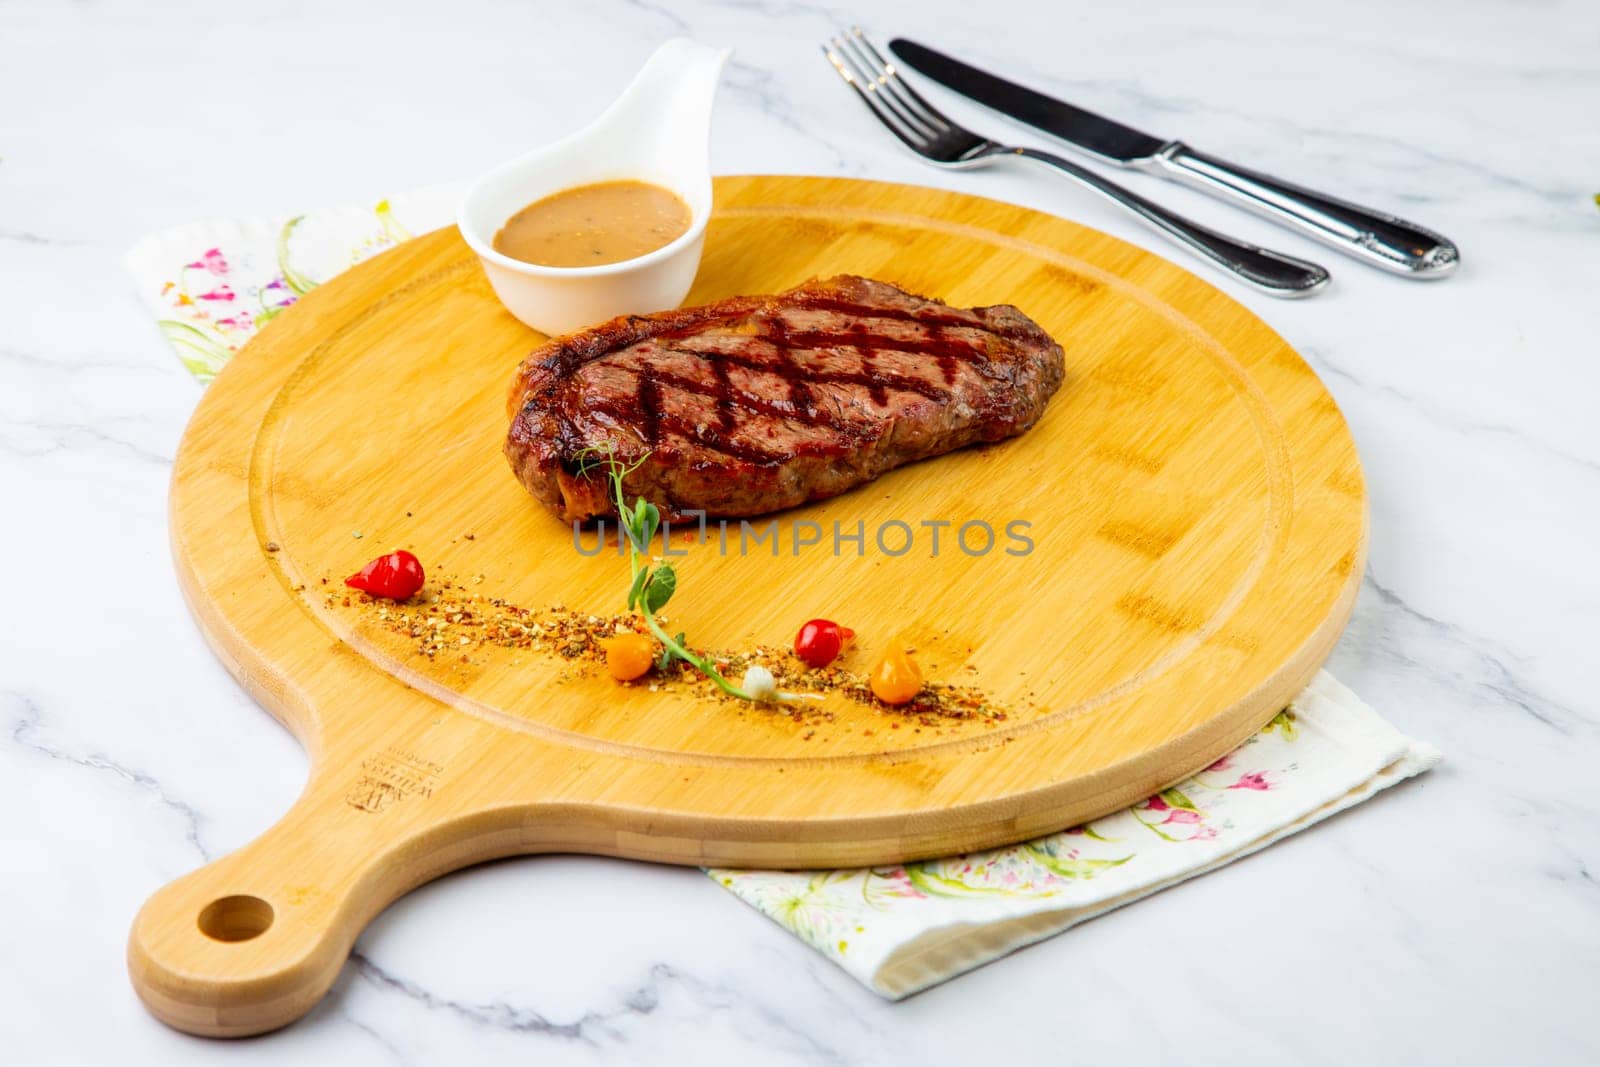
(1456,919)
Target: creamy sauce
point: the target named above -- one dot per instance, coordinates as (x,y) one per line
(607,222)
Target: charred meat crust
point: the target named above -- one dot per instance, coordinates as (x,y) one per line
(758,403)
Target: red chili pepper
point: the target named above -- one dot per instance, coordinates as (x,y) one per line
(819,641)
(395,576)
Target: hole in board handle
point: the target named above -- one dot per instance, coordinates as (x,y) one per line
(236,918)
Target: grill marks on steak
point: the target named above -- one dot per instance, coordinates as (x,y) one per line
(754,404)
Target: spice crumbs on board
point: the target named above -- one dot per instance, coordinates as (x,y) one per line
(446,617)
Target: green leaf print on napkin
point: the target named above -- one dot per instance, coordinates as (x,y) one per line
(202,353)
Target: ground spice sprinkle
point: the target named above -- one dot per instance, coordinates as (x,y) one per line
(448,618)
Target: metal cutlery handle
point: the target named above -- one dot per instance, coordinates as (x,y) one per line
(1374,237)
(1269,271)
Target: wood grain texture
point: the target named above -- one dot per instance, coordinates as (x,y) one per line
(1196,505)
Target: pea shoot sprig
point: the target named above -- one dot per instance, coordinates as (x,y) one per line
(652,582)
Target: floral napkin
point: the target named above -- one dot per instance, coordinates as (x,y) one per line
(900,929)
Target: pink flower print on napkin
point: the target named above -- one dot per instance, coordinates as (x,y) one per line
(221,292)
(213,261)
(1253,780)
(1179,815)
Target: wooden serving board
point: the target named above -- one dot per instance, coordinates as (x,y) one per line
(1197,514)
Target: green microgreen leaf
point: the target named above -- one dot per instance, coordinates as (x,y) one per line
(647,520)
(658,590)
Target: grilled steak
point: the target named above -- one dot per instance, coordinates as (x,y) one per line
(758,403)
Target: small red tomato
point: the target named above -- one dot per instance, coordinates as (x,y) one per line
(395,576)
(819,642)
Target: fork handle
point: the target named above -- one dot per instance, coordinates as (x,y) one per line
(1272,272)
(1374,237)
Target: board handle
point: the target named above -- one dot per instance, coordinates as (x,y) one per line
(252,941)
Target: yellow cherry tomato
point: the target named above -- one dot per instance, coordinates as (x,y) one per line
(896,678)
(629,656)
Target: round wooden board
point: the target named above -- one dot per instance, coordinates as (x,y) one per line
(1194,500)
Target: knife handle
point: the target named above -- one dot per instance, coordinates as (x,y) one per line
(1271,272)
(1375,238)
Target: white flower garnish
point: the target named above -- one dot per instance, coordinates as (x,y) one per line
(759,684)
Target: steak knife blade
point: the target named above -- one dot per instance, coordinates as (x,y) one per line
(1094,133)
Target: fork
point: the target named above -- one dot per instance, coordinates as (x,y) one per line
(940,141)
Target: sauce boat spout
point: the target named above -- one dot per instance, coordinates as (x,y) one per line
(665,114)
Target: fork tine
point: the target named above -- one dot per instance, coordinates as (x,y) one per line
(876,82)
(891,77)
(868,84)
(912,139)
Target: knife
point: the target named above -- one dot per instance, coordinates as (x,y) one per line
(1374,237)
